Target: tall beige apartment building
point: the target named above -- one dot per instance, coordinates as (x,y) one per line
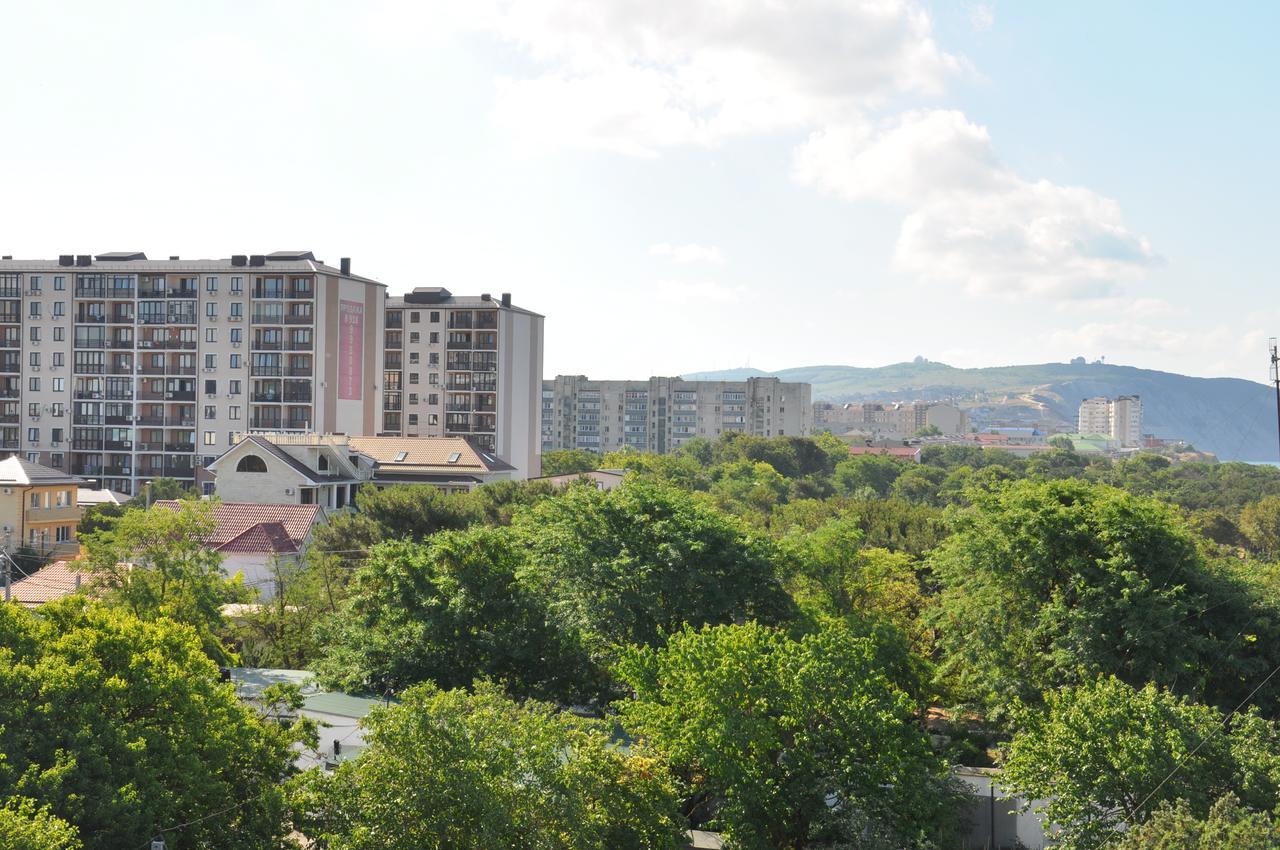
(1119,418)
(124,369)
(661,414)
(464,366)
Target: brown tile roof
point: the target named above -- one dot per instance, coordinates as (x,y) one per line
(51,582)
(289,526)
(422,454)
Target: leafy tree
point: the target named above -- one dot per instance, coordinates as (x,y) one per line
(567,461)
(635,563)
(929,431)
(748,487)
(919,484)
(155,563)
(121,727)
(160,489)
(24,826)
(765,730)
(449,611)
(1228,826)
(1062,441)
(1260,522)
(1105,754)
(448,770)
(681,470)
(1051,583)
(280,632)
(415,511)
(1057,463)
(861,473)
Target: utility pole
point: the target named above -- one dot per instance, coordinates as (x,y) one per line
(8,570)
(1275,378)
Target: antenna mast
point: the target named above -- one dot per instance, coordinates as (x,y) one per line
(1275,378)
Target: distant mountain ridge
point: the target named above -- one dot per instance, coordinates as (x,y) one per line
(1231,417)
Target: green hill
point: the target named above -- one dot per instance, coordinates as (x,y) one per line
(1233,418)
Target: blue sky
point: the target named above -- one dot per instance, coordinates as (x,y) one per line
(682,186)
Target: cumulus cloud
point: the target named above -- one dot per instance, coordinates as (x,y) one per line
(688,253)
(636,77)
(970,219)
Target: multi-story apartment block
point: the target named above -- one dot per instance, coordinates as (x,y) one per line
(464,366)
(123,369)
(1119,418)
(891,419)
(661,414)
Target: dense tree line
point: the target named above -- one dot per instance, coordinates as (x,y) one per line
(751,635)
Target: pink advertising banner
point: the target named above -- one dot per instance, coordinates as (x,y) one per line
(350,350)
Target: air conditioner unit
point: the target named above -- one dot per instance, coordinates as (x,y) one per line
(34,368)
(288,491)
(8,491)
(35,342)
(229,395)
(235,345)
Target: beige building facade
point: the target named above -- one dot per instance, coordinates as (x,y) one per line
(1119,418)
(464,366)
(123,369)
(39,507)
(891,419)
(662,414)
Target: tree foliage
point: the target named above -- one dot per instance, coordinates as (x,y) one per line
(122,727)
(451,770)
(568,461)
(764,729)
(26,826)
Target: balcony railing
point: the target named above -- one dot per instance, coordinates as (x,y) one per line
(265,371)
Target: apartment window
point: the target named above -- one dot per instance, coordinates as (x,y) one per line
(413,377)
(211,361)
(413,357)
(237,334)
(59,308)
(35,359)
(62,534)
(210,412)
(210,438)
(235,361)
(59,333)
(59,385)
(210,334)
(56,407)
(413,398)
(433,399)
(33,436)
(433,419)
(433,358)
(413,419)
(33,408)
(433,378)
(237,285)
(237,308)
(233,412)
(211,284)
(211,309)
(55,460)
(211,387)
(35,333)
(435,316)
(33,384)
(57,358)
(414,336)
(233,387)
(59,283)
(33,309)
(55,436)
(435,337)
(33,283)
(415,317)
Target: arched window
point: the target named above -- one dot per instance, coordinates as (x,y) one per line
(323,463)
(251,463)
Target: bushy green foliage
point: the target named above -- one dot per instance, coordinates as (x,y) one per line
(568,461)
(26,826)
(764,729)
(1104,754)
(121,727)
(1228,826)
(451,770)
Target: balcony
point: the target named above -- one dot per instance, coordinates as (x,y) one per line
(263,345)
(86,445)
(297,398)
(151,420)
(151,319)
(86,419)
(487,322)
(120,292)
(267,318)
(298,345)
(391,405)
(151,369)
(180,422)
(300,293)
(270,292)
(9,342)
(461,323)
(90,318)
(180,345)
(119,420)
(182,292)
(87,469)
(120,343)
(90,291)
(182,370)
(119,395)
(265,424)
(180,395)
(118,471)
(10,292)
(180,448)
(178,468)
(258,370)
(8,419)
(266,398)
(120,369)
(118,445)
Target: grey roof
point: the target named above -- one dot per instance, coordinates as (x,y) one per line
(463,302)
(119,256)
(275,451)
(291,255)
(143,266)
(17,471)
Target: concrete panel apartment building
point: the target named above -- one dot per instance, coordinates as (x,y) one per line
(124,369)
(661,414)
(464,366)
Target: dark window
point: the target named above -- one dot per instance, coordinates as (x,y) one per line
(251,463)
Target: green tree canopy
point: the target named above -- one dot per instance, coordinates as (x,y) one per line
(1105,754)
(26,826)
(861,474)
(764,730)
(635,563)
(567,461)
(1051,583)
(1260,522)
(1228,826)
(448,611)
(449,770)
(122,727)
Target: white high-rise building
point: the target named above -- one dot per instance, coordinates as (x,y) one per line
(1119,418)
(123,369)
(661,414)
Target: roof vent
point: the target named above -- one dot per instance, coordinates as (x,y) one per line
(84,260)
(7,257)
(484,296)
(345,265)
(257,259)
(506,299)
(174,257)
(66,260)
(239,260)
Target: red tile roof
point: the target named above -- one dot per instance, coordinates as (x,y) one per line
(241,526)
(51,582)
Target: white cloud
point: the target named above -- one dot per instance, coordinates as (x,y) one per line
(982,16)
(688,253)
(970,218)
(636,77)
